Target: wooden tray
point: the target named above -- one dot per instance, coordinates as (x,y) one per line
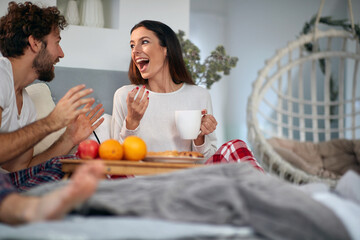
(124,167)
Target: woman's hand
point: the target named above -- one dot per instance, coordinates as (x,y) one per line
(208,125)
(136,107)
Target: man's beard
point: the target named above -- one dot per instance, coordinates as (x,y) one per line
(44,66)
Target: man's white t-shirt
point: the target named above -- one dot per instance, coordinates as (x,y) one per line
(10,119)
(157,127)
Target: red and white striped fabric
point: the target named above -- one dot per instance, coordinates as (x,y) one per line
(234,151)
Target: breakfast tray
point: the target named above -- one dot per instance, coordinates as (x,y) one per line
(124,167)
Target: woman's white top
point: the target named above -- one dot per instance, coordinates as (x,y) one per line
(157,127)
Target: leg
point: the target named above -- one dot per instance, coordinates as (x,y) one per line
(6,186)
(234,151)
(16,208)
(49,171)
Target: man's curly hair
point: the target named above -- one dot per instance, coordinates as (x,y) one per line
(23,20)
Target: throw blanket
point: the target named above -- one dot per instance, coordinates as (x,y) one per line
(234,193)
(329,159)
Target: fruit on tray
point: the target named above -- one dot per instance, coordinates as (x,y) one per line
(111,149)
(88,149)
(134,148)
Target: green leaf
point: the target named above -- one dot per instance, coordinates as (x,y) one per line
(208,72)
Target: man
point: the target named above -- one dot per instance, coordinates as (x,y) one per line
(29,43)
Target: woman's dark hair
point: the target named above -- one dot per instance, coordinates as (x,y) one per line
(23,20)
(168,39)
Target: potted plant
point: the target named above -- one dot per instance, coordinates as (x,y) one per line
(209,71)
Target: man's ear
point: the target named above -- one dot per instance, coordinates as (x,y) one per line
(35,45)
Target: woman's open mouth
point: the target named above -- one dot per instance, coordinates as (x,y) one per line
(142,64)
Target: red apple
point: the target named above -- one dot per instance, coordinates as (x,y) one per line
(88,149)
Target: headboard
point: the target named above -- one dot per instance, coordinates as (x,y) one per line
(104,83)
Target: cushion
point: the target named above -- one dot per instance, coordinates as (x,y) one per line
(329,159)
(41,96)
(103,131)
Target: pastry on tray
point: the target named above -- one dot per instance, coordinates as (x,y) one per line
(175,153)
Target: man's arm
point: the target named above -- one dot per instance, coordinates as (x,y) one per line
(13,144)
(16,143)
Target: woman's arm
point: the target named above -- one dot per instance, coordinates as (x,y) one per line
(119,113)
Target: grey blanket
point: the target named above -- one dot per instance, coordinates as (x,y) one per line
(235,194)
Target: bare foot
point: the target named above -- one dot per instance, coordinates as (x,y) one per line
(17,208)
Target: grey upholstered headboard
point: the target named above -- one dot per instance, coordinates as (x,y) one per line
(104,83)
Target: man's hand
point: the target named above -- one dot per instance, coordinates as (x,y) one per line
(80,122)
(77,130)
(68,108)
(81,128)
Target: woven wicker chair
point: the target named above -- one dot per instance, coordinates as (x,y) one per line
(291,98)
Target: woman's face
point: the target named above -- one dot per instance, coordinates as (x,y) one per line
(147,54)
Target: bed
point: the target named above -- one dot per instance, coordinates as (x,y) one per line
(221,201)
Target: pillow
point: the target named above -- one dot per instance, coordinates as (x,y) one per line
(328,159)
(103,131)
(303,155)
(41,96)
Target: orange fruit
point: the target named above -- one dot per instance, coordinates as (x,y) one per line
(134,148)
(111,149)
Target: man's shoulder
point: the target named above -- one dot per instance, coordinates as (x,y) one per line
(5,74)
(5,62)
(5,67)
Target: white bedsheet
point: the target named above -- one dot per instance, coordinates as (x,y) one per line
(347,210)
(344,200)
(112,227)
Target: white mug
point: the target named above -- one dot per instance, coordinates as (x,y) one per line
(188,123)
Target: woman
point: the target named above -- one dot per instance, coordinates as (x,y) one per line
(162,85)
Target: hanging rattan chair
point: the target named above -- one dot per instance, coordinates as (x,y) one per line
(291,97)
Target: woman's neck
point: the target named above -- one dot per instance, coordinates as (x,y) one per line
(163,85)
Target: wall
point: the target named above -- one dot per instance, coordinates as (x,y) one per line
(205,19)
(251,30)
(108,48)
